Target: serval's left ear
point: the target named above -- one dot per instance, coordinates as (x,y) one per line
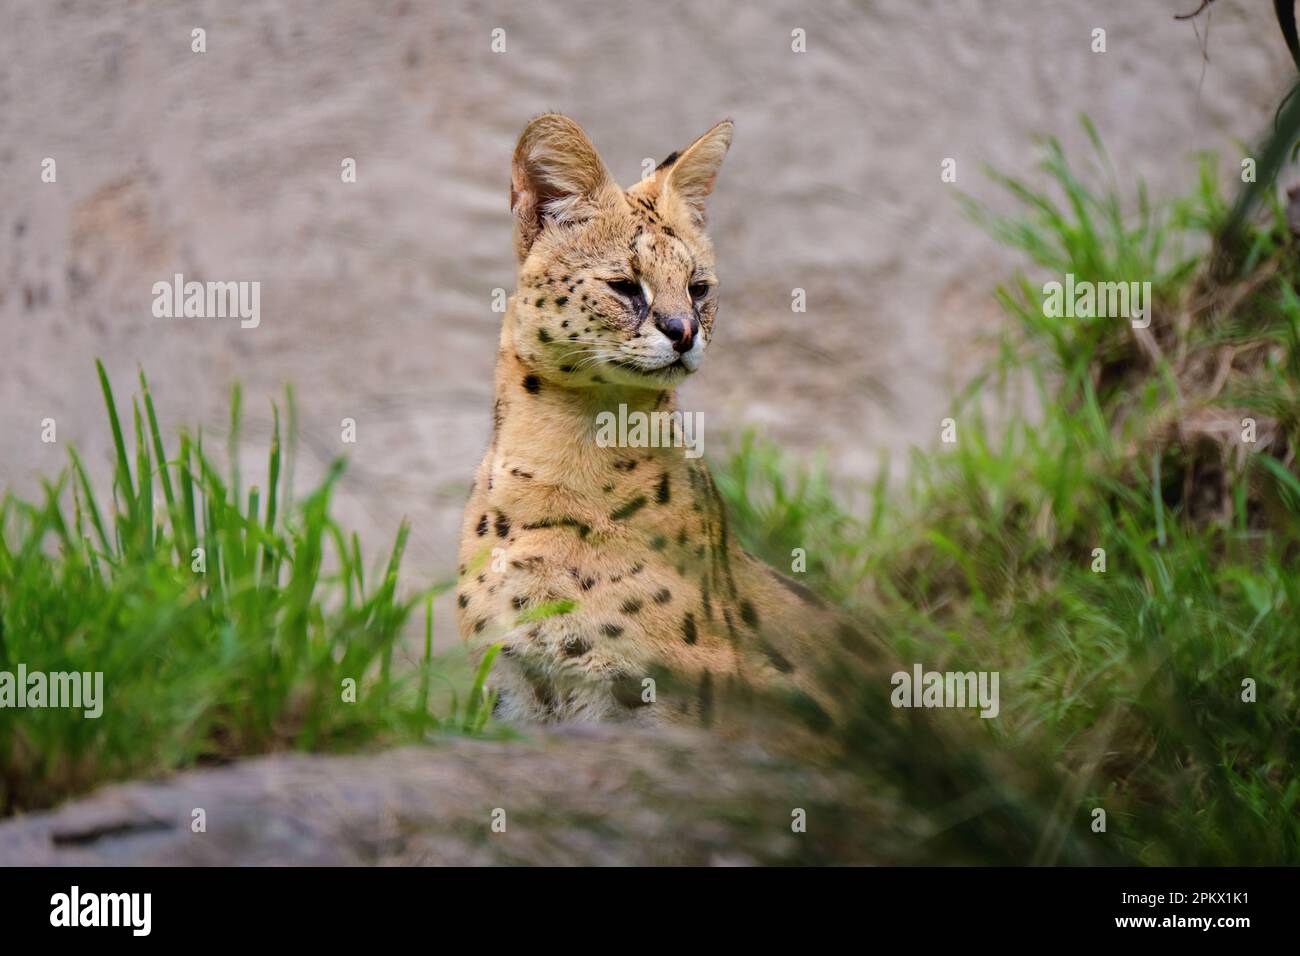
(690,176)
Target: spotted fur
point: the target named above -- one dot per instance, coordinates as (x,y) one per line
(628,550)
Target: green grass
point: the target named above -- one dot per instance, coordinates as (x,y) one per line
(1120,690)
(225,621)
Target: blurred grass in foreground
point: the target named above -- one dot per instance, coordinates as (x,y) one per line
(1120,690)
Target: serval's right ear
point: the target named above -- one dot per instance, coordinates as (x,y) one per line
(557,176)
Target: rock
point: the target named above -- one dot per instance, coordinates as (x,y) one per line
(576,795)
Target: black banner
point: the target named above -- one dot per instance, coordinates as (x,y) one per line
(334,905)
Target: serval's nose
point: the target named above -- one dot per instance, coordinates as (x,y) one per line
(681,329)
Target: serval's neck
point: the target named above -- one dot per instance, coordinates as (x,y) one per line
(554,434)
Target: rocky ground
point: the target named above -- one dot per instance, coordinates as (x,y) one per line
(591,796)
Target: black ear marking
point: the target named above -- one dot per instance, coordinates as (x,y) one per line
(668,160)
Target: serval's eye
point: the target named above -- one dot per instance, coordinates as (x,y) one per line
(628,289)
(698,290)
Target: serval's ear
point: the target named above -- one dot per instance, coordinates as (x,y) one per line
(557,176)
(691,174)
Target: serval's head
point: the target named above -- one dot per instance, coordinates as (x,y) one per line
(616,287)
